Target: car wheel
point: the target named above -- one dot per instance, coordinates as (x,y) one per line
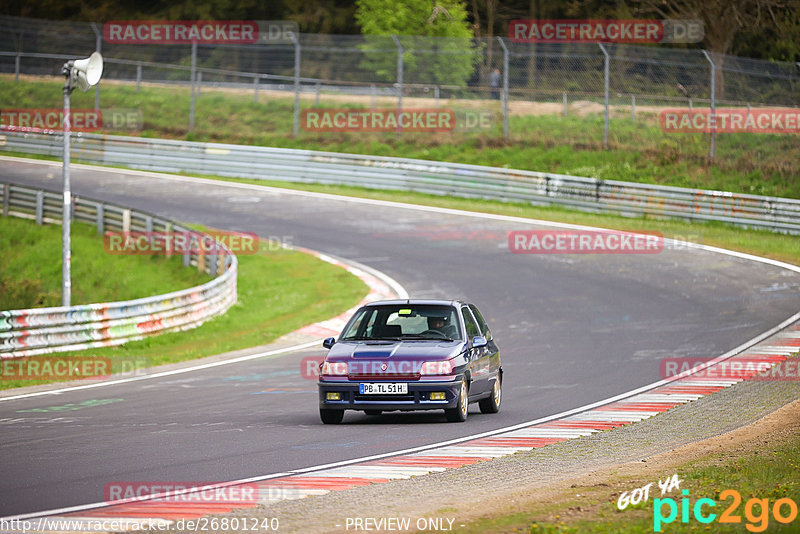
(492,403)
(331,417)
(373,412)
(459,413)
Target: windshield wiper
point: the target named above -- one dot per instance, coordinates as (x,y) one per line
(426,338)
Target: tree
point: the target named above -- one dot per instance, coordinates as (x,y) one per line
(723,21)
(426,58)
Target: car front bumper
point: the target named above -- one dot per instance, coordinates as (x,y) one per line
(417,398)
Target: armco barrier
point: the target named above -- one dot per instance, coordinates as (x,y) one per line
(44,330)
(778,214)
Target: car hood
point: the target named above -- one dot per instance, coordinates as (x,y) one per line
(405,350)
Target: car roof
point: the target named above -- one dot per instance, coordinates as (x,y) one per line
(429,302)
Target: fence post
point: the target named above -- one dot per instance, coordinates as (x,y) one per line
(633,108)
(399,77)
(199,82)
(505,86)
(564,98)
(191,97)
(606,84)
(436,95)
(297,52)
(255,89)
(138,76)
(16,67)
(98,37)
(713,118)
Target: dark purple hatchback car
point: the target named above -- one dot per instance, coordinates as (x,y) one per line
(411,355)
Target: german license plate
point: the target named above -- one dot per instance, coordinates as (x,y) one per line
(383,388)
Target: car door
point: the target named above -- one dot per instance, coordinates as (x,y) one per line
(479,357)
(493,350)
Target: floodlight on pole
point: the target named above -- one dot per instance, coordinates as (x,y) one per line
(83,73)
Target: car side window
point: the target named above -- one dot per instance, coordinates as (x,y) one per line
(481,322)
(469,323)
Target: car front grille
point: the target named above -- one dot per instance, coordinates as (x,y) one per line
(384,377)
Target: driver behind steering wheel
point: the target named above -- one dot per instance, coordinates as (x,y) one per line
(440,324)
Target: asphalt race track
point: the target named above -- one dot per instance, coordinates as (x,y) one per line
(572,329)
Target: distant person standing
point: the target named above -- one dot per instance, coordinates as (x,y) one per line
(494,83)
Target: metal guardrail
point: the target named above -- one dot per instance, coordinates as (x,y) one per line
(44,330)
(471,181)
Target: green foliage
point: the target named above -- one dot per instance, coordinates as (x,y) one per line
(30,268)
(425,58)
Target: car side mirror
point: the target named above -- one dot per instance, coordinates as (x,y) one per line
(478,342)
(328,342)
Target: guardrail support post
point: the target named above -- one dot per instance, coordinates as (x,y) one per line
(16,68)
(100,218)
(39,207)
(505,86)
(605,84)
(713,118)
(138,77)
(6,198)
(187,254)
(255,89)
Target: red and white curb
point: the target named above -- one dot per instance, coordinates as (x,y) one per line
(644,403)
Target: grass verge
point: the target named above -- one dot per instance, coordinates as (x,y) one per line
(30,268)
(279,291)
(637,151)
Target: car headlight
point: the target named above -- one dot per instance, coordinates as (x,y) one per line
(437,368)
(334,368)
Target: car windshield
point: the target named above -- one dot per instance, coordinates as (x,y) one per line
(403,322)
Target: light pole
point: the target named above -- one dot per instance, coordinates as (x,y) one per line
(85,73)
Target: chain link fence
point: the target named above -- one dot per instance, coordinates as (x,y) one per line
(610,80)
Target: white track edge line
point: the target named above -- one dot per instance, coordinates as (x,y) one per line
(573,411)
